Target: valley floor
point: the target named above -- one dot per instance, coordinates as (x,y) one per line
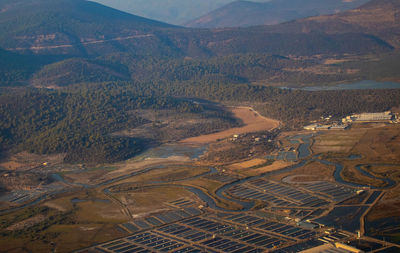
(248,189)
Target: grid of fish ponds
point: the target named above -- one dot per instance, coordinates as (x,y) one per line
(160,219)
(230,232)
(145,242)
(276,194)
(269,226)
(334,191)
(221,236)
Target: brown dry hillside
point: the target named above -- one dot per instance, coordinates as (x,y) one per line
(380,18)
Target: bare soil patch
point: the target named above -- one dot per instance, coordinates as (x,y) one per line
(253,122)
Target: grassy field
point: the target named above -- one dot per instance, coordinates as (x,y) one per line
(337,141)
(313,171)
(210,187)
(63,225)
(145,201)
(266,166)
(170,173)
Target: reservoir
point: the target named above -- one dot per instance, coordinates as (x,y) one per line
(361,85)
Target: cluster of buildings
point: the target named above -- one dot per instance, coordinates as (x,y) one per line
(317,126)
(376,117)
(388,117)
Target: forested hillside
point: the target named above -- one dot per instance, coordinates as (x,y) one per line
(79,123)
(104,67)
(59,42)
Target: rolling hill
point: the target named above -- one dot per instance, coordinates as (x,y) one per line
(74,27)
(250,13)
(86,29)
(125,46)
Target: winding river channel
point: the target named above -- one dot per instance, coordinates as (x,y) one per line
(304,156)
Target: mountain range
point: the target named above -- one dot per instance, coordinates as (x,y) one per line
(170,11)
(73,35)
(248,13)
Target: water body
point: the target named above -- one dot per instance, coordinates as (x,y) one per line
(389,183)
(78,200)
(304,151)
(362,85)
(338,177)
(304,148)
(292,156)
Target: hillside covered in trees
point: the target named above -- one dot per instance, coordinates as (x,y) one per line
(81,121)
(102,68)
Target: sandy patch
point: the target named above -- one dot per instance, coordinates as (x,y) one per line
(253,121)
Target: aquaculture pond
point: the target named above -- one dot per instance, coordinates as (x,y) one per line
(344,217)
(387,229)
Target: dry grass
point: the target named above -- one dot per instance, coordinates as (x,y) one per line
(337,141)
(145,201)
(134,165)
(381,144)
(26,161)
(253,121)
(309,172)
(73,237)
(247,164)
(387,206)
(169,174)
(99,212)
(210,187)
(87,177)
(351,174)
(277,165)
(27,223)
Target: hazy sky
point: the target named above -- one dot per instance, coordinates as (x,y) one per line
(171,11)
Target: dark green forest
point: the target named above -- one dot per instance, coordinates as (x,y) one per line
(78,123)
(102,64)
(80,120)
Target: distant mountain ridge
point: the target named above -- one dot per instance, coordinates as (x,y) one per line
(248,13)
(170,11)
(81,28)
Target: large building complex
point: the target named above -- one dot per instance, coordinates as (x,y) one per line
(370,117)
